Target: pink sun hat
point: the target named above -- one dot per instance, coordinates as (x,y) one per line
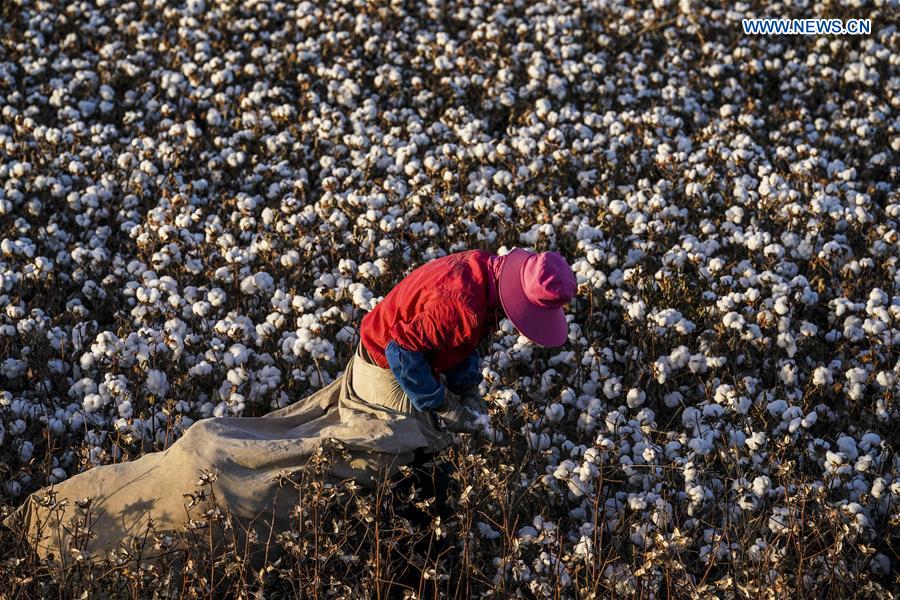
(533,290)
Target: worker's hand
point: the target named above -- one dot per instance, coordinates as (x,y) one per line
(470,395)
(474,402)
(461,416)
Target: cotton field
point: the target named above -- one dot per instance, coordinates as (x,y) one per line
(199,201)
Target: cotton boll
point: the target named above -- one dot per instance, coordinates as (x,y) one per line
(93,402)
(776,407)
(879,486)
(26,451)
(637,310)
(486,531)
(12,488)
(673,399)
(538,442)
(833,460)
(635,398)
(157,383)
(555,412)
(237,354)
(756,440)
(822,376)
(809,420)
(216,297)
(125,409)
(56,426)
(57,475)
(761,486)
(886,379)
(527,534)
(848,447)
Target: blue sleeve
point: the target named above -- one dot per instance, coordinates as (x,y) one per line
(413,373)
(465,373)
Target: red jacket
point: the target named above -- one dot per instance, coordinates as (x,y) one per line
(444,309)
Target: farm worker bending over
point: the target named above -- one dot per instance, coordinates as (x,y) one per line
(430,324)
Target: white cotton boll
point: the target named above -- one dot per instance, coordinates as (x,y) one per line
(776,407)
(740,404)
(612,388)
(527,533)
(56,426)
(779,519)
(237,354)
(200,369)
(17,427)
(538,442)
(695,493)
(848,447)
(701,446)
(822,376)
(863,463)
(733,320)
(92,402)
(635,398)
(57,475)
(12,488)
(885,379)
(689,471)
(236,403)
(26,451)
(614,420)
(125,409)
(756,440)
(216,296)
(857,375)
(617,207)
(869,440)
(833,460)
(584,548)
(684,327)
(487,532)
(809,420)
(712,412)
(555,412)
(673,399)
(690,417)
(157,383)
(201,308)
(667,317)
(563,470)
(637,310)
(737,438)
(879,485)
(782,307)
(880,564)
(761,486)
(263,281)
(248,285)
(213,117)
(662,368)
(235,377)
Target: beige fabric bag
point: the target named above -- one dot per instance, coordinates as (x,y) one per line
(365,409)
